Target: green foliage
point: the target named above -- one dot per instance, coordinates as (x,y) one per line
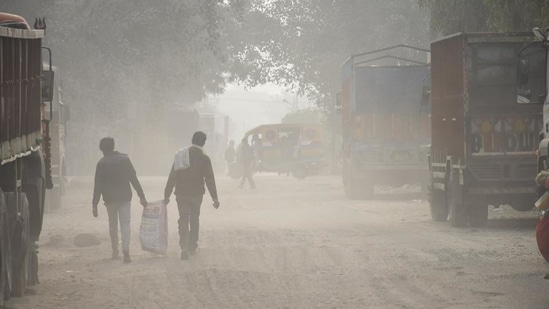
(302,43)
(307,116)
(451,16)
(155,53)
(517,15)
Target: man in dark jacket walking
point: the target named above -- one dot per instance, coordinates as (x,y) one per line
(190,170)
(113,175)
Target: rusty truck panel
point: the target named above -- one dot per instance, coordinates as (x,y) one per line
(447,98)
(483,142)
(22,167)
(20,91)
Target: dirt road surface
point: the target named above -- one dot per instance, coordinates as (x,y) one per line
(294,244)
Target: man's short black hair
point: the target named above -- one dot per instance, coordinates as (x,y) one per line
(199,138)
(106,144)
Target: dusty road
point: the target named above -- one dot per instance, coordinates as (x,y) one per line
(294,244)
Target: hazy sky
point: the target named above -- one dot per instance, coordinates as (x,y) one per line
(254,107)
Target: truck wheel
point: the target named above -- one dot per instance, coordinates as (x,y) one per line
(457,212)
(478,215)
(20,244)
(438,205)
(5,253)
(523,203)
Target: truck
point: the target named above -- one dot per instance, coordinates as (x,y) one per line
(295,148)
(532,85)
(23,168)
(483,143)
(57,113)
(385,129)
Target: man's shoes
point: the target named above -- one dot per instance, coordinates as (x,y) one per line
(127,258)
(184,254)
(115,255)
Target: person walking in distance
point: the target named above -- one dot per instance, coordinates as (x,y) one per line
(246,160)
(191,169)
(113,175)
(230,156)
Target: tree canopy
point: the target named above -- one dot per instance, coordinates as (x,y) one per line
(302,43)
(450,16)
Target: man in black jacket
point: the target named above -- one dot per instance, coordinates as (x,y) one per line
(190,170)
(113,175)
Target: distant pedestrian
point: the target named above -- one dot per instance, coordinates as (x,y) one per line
(191,169)
(246,160)
(113,175)
(230,156)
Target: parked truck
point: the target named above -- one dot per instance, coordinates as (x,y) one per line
(532,87)
(57,115)
(385,128)
(23,171)
(483,142)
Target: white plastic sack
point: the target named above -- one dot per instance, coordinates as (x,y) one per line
(153,233)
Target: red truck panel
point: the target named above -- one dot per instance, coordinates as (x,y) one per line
(20,91)
(448,99)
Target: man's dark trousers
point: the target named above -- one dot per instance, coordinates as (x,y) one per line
(189,213)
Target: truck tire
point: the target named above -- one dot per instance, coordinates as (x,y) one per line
(5,252)
(523,203)
(478,215)
(438,205)
(20,243)
(457,211)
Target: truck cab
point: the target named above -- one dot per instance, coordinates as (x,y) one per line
(532,85)
(483,142)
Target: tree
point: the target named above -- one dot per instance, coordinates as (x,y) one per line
(302,43)
(452,16)
(485,15)
(516,15)
(307,116)
(125,63)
